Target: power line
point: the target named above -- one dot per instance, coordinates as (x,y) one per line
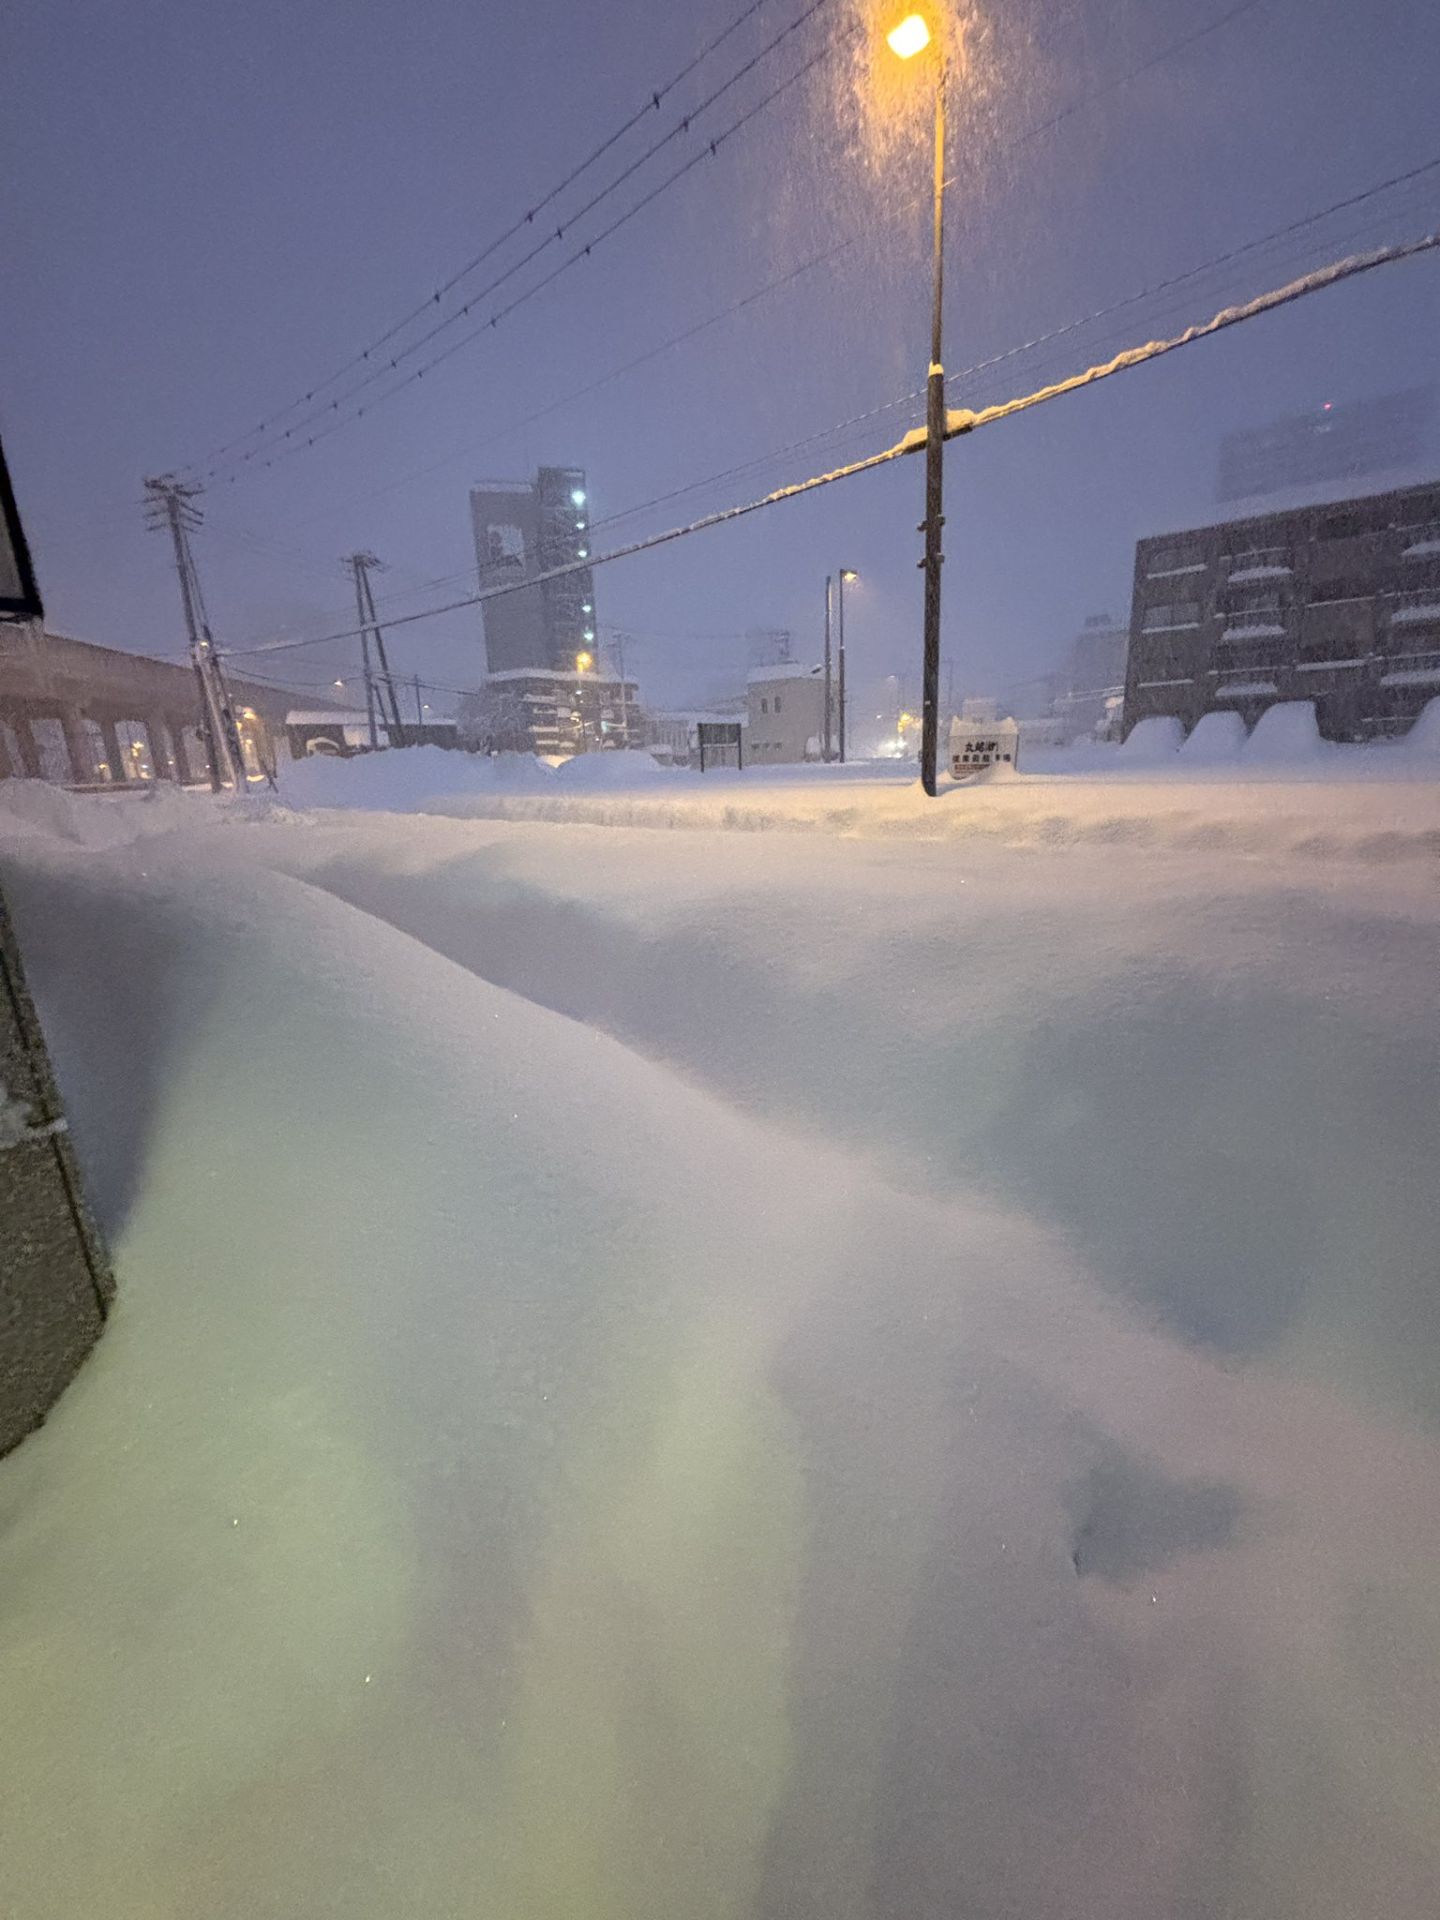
(616,373)
(651,105)
(1408,178)
(288,444)
(287,441)
(959,421)
(1054,334)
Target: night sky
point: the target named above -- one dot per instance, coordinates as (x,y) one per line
(210,208)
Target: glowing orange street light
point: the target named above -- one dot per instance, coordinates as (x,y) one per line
(583,662)
(912,36)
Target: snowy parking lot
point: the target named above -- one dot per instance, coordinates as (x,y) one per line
(745,1349)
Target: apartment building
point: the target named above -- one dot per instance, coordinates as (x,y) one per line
(1339,604)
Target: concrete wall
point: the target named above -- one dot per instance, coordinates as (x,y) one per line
(55,1284)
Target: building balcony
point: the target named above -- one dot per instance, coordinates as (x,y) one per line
(1416,609)
(1242,628)
(1246,690)
(1423,542)
(1262,563)
(1413,670)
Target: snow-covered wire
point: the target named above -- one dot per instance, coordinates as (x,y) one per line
(959,421)
(526,219)
(288,439)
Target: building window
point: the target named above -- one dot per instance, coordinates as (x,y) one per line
(93,736)
(777,703)
(12,761)
(1173,560)
(52,750)
(765,706)
(135,760)
(1172,615)
(505,545)
(1341,526)
(1249,603)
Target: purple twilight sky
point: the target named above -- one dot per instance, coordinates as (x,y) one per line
(211,208)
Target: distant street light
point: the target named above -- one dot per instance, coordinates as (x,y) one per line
(584,662)
(911,36)
(847,575)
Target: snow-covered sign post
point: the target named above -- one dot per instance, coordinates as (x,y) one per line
(55,1283)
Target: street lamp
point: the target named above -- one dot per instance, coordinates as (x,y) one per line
(584,662)
(911,36)
(847,575)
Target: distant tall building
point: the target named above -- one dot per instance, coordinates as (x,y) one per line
(523,529)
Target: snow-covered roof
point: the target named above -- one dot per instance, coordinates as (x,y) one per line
(325,717)
(786,670)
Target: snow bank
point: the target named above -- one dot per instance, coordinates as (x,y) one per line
(34,808)
(1287,734)
(588,772)
(1424,735)
(1216,740)
(406,779)
(1153,739)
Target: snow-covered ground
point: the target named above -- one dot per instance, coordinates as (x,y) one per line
(856,1370)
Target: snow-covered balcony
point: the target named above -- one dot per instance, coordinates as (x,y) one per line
(1416,608)
(1262,563)
(1424,542)
(1253,627)
(1413,670)
(1246,690)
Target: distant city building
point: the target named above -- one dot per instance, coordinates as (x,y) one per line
(1093,681)
(524,529)
(1328,443)
(1338,604)
(786,715)
(529,710)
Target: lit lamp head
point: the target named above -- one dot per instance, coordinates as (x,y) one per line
(584,662)
(848,575)
(909,37)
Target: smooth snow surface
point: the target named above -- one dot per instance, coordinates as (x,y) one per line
(813,1373)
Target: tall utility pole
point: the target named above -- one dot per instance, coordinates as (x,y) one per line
(934,461)
(170,503)
(847,574)
(827,748)
(360,564)
(355,563)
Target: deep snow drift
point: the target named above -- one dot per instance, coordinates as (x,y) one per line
(735,1374)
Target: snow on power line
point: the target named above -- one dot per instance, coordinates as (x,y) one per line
(959,421)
